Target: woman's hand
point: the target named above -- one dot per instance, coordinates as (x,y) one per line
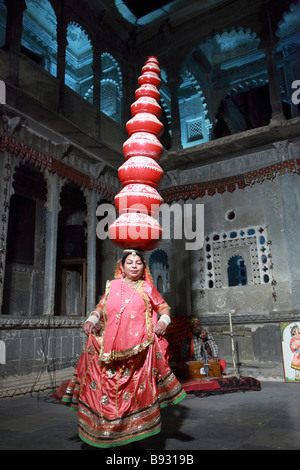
(88,327)
(92,320)
(160,328)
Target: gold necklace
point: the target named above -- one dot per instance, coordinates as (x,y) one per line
(127,301)
(130,282)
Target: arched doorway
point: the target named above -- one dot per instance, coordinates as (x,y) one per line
(25,255)
(71,253)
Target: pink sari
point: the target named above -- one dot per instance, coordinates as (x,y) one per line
(123,377)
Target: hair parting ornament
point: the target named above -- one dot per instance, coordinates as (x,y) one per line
(133,252)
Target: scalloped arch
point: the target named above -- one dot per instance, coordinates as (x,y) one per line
(159,255)
(79,36)
(246,84)
(290,22)
(107,55)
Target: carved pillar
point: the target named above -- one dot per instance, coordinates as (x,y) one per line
(97,86)
(91,250)
(15,10)
(174,81)
(172,67)
(131,69)
(52,209)
(7,165)
(274,87)
(180,270)
(61,54)
(268,45)
(290,76)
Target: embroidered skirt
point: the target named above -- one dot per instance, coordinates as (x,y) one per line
(120,402)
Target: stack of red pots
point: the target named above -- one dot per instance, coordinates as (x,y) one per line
(138,202)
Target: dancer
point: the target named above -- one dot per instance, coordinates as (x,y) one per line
(123,377)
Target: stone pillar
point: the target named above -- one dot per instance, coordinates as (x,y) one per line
(173,83)
(289,78)
(268,45)
(61,54)
(131,70)
(97,87)
(15,10)
(274,87)
(52,209)
(180,271)
(7,166)
(172,67)
(91,250)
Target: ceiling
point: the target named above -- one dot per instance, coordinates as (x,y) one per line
(141,14)
(141,8)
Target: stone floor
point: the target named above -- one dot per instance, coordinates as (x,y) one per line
(255,420)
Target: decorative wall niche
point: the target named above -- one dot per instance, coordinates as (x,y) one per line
(236,258)
(159,267)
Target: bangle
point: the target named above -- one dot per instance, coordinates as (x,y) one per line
(93,318)
(95,311)
(165,319)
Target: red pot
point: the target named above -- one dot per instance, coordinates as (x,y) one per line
(138,231)
(152,58)
(149,77)
(147,90)
(136,197)
(151,67)
(146,104)
(145,122)
(143,170)
(144,145)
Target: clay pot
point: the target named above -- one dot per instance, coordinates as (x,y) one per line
(143,170)
(140,231)
(138,202)
(151,67)
(146,104)
(138,198)
(149,77)
(147,90)
(152,58)
(145,122)
(144,145)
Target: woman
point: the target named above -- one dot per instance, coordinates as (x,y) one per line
(123,377)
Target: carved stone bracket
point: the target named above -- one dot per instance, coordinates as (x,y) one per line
(84,176)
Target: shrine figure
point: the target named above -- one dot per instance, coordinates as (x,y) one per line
(295,348)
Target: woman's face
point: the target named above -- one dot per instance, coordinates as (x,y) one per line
(133,267)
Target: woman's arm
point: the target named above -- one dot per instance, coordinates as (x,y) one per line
(92,320)
(163,322)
